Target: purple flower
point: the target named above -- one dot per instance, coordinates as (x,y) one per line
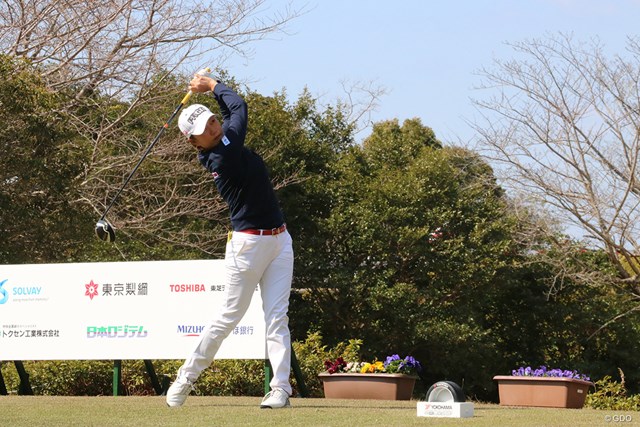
(542,371)
(413,363)
(408,365)
(391,359)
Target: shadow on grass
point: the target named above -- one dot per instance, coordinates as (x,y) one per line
(312,403)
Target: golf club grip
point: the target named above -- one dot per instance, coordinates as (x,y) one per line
(186,98)
(188,95)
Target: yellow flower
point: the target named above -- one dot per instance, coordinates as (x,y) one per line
(371,368)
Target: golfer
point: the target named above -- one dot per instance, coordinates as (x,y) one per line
(259,249)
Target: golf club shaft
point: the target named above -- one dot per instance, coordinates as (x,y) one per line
(147,151)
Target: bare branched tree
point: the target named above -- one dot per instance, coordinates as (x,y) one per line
(113,58)
(562,129)
(361,99)
(120,46)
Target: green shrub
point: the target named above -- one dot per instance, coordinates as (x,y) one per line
(232,378)
(311,355)
(612,395)
(223,378)
(63,378)
(95,378)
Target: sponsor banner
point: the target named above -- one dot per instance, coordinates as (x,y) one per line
(119,310)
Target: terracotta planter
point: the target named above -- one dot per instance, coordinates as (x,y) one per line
(368,386)
(550,392)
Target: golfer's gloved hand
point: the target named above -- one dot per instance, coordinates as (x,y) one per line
(203,81)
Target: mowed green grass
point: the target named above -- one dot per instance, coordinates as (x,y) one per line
(139,411)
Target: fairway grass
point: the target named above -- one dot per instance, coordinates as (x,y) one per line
(137,411)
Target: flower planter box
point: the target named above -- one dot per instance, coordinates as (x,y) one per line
(368,386)
(552,392)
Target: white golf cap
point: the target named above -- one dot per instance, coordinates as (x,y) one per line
(193,119)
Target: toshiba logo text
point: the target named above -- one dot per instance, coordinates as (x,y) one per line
(195,287)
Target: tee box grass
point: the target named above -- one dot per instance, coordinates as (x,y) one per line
(141,411)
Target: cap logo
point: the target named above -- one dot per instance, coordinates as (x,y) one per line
(192,118)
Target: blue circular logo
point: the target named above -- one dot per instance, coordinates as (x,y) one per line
(4,294)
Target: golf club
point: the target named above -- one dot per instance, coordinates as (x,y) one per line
(104,230)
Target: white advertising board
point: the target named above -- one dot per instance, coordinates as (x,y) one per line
(118,311)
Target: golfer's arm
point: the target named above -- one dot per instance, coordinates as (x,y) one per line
(234,110)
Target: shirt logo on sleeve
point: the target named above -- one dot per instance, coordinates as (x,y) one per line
(215,175)
(225,140)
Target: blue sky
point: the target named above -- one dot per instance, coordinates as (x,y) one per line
(424,53)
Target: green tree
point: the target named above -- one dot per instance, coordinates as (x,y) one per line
(422,256)
(416,232)
(533,326)
(41,160)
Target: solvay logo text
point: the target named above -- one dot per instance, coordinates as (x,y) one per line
(27,290)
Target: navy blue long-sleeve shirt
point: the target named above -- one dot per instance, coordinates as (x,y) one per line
(239,173)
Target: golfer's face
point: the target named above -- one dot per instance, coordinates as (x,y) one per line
(210,137)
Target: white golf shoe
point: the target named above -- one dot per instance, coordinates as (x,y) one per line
(179,391)
(276,398)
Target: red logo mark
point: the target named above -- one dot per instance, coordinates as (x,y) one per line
(92,289)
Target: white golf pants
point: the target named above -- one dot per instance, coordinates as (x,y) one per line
(249,260)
